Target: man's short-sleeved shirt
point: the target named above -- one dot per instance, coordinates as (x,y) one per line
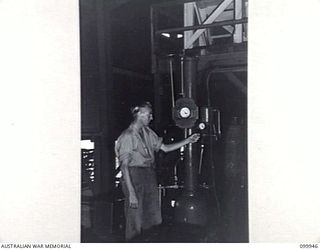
(138,146)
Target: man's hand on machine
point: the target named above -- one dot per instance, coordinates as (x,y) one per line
(193,138)
(133,201)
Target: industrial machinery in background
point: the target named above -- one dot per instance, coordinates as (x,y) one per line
(199,75)
(185,60)
(192,203)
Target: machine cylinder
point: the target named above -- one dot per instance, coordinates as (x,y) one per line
(191,153)
(190,77)
(191,162)
(191,207)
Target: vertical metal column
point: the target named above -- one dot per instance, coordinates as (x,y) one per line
(190,90)
(191,207)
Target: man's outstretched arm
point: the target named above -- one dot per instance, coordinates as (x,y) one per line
(171,147)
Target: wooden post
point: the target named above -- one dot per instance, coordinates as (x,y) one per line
(210,19)
(188,21)
(237,37)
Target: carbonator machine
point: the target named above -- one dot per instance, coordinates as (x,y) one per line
(192,115)
(199,59)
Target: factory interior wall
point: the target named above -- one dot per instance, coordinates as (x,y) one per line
(40,107)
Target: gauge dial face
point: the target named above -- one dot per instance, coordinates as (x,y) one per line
(185,112)
(202,126)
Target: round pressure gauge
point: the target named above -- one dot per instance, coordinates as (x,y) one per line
(202,126)
(185,112)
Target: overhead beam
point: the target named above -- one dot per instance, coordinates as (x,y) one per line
(221,7)
(228,28)
(201,15)
(221,36)
(219,62)
(203,26)
(228,14)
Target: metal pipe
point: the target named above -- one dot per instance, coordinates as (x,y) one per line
(211,149)
(171,83)
(190,176)
(182,79)
(201,158)
(190,90)
(230,69)
(203,26)
(219,121)
(175,173)
(208,88)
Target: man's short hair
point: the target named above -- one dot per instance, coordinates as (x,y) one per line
(135,110)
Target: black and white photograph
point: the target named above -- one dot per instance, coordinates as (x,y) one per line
(164,121)
(191,122)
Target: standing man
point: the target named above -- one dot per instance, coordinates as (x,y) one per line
(135,150)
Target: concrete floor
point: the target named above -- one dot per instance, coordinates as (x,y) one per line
(222,230)
(227,222)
